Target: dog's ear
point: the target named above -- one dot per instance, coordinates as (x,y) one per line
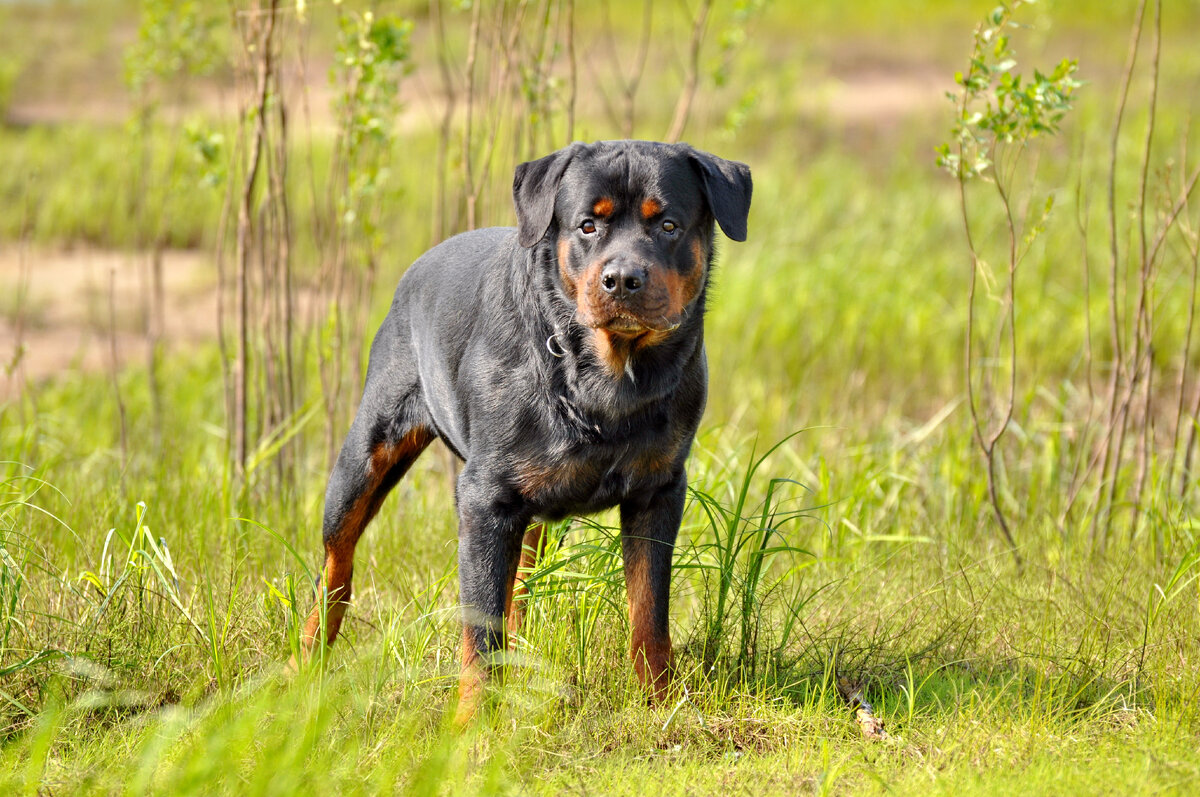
(728,186)
(535,187)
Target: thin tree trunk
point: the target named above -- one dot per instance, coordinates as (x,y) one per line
(244,231)
(1110,462)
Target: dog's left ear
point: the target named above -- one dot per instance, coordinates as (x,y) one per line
(535,187)
(728,186)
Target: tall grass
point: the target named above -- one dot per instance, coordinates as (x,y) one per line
(161,659)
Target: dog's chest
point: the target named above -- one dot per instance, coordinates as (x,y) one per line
(595,477)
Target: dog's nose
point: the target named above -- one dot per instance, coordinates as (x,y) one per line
(621,279)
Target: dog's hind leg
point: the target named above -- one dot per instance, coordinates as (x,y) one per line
(374,457)
(531,548)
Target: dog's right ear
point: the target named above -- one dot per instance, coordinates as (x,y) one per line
(535,187)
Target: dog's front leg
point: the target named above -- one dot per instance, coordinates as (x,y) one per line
(649,525)
(490,529)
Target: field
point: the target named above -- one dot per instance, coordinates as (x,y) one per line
(995,545)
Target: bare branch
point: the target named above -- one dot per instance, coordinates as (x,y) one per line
(691,79)
(265,68)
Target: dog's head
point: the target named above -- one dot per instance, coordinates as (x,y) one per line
(631,225)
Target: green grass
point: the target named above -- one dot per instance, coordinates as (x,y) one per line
(147,608)
(1058,680)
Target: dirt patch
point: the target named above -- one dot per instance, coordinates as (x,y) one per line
(311,103)
(55,306)
(875,95)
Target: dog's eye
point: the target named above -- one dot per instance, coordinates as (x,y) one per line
(669,226)
(588,227)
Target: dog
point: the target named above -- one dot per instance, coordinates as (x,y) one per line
(563,362)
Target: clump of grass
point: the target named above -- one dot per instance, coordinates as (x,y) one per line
(746,555)
(23,662)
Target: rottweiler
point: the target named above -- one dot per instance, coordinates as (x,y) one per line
(563,362)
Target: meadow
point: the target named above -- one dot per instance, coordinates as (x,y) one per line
(159,535)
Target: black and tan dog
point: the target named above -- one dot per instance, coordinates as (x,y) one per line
(563,362)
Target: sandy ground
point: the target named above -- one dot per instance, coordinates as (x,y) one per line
(55,308)
(880,96)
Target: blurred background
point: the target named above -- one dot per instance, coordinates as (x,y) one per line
(165,189)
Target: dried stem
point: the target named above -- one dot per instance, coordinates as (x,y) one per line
(468,166)
(1110,459)
(1078,479)
(1194,415)
(987,441)
(639,68)
(15,367)
(222,295)
(691,78)
(1192,240)
(439,230)
(1143,326)
(265,67)
(1185,475)
(114,362)
(572,71)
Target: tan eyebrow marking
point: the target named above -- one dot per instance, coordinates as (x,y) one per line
(651,208)
(603,206)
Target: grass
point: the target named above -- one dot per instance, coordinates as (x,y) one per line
(988,681)
(146,608)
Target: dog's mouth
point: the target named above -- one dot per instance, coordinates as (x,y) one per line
(627,325)
(622,324)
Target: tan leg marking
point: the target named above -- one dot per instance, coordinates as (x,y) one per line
(650,650)
(531,547)
(471,680)
(339,551)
